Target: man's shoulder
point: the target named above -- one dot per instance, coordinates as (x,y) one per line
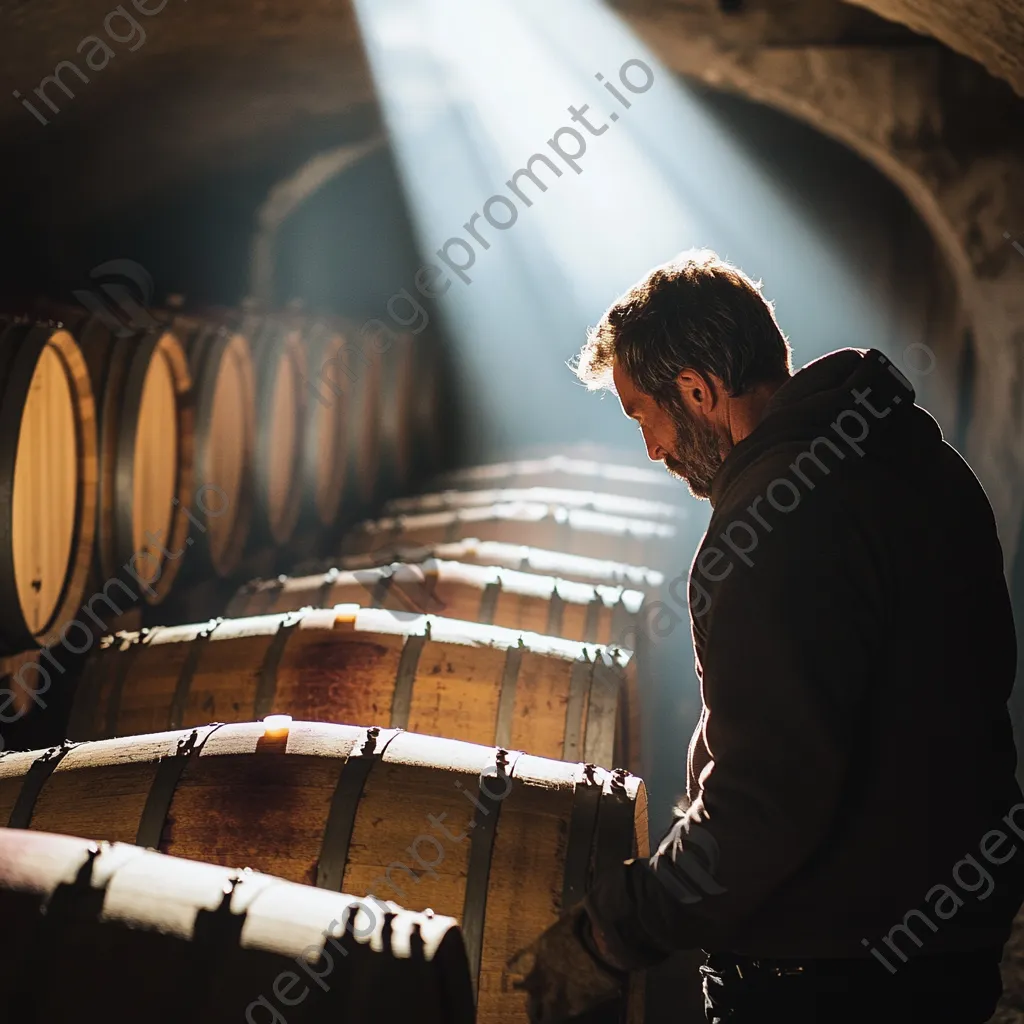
(779,482)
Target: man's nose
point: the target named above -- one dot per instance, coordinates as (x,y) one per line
(654,450)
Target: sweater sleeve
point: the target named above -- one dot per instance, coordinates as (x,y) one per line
(787,650)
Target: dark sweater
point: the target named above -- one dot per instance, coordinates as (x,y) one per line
(856,649)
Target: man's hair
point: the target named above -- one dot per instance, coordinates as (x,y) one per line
(696,311)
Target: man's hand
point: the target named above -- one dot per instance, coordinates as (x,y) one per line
(561,971)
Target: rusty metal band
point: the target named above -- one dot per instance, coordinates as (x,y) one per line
(266,688)
(579,685)
(507,695)
(563,531)
(401,700)
(323,594)
(35,778)
(123,663)
(341,818)
(605,741)
(451,530)
(382,586)
(624,624)
(481,850)
(579,853)
(592,620)
(181,689)
(165,782)
(489,602)
(268,591)
(556,613)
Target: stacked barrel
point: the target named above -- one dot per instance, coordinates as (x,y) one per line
(148,470)
(442,717)
(135,460)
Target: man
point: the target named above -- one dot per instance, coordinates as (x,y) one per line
(848,851)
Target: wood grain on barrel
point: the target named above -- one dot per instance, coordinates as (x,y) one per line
(284,462)
(140,936)
(229,449)
(44,499)
(147,449)
(48,464)
(155,465)
(411,831)
(501,597)
(464,680)
(327,444)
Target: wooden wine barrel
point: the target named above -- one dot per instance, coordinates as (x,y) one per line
(146,444)
(500,840)
(281,403)
(472,551)
(224,390)
(567,471)
(326,457)
(48,474)
(346,378)
(575,531)
(121,934)
(365,421)
(611,504)
(485,594)
(398,388)
(446,677)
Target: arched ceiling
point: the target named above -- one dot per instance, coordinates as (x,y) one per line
(214,85)
(990,32)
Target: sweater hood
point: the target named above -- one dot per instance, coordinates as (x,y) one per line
(855,398)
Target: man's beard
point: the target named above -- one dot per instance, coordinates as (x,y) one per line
(698,453)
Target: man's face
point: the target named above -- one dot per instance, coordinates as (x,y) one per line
(688,445)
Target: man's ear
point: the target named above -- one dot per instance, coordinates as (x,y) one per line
(698,393)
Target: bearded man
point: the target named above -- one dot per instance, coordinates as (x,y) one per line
(848,848)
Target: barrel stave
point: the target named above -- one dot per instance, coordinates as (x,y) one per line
(396,852)
(227,803)
(339,674)
(100,793)
(456,690)
(527,875)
